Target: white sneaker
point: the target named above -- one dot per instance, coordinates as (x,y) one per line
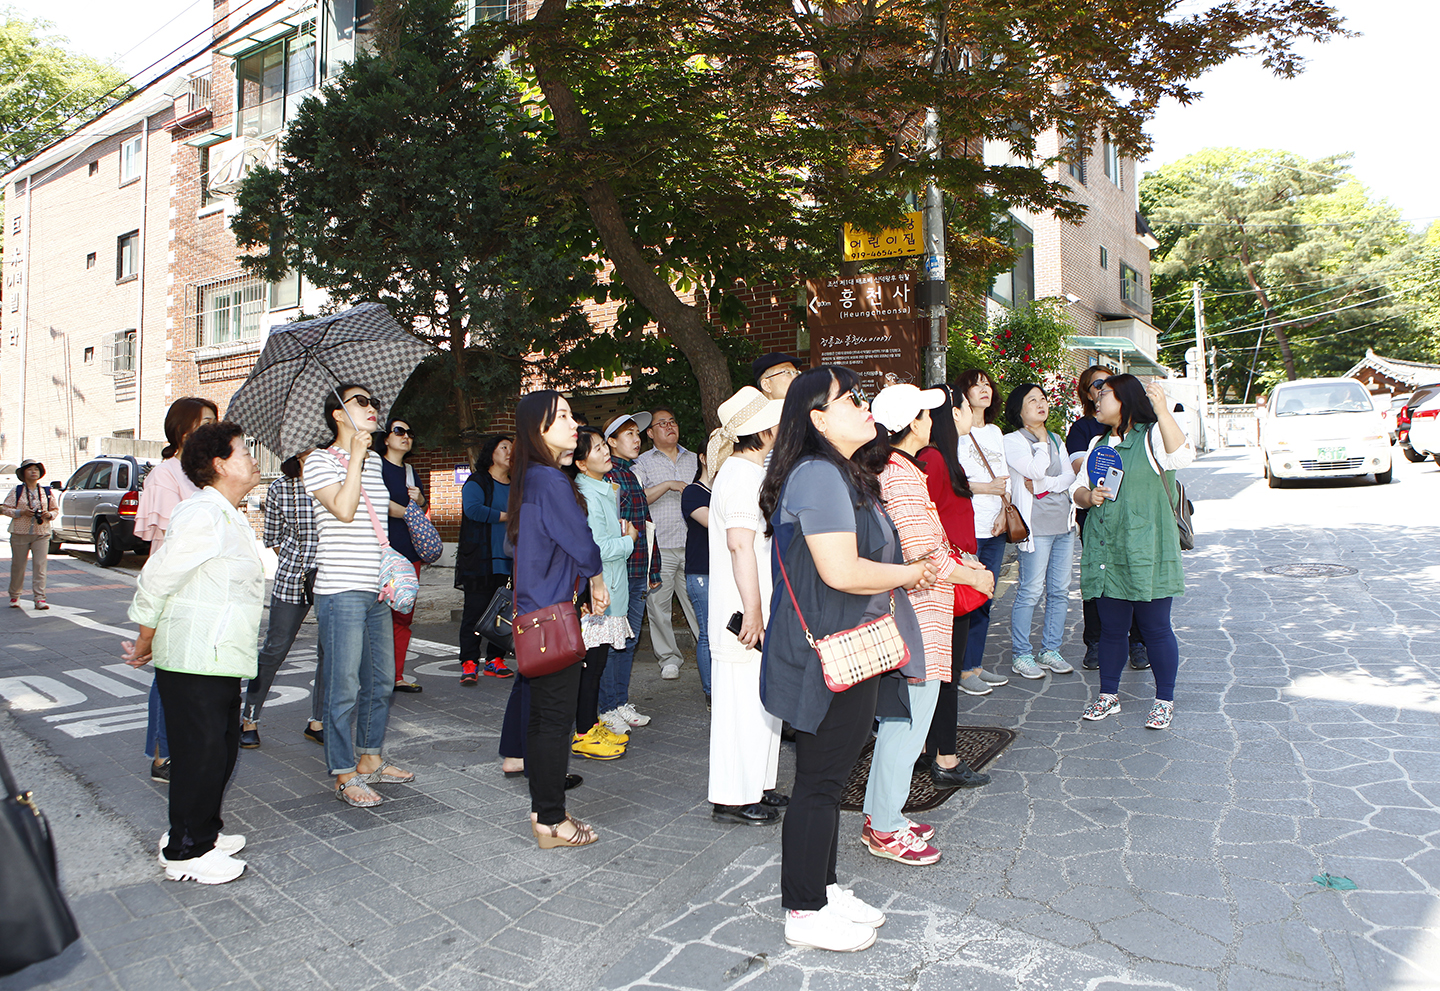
(851,908)
(827,930)
(213,868)
(1025,667)
(227,843)
(670,672)
(632,715)
(1054,663)
(615,722)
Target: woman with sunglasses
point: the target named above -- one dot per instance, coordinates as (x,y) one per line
(350,497)
(1131,565)
(1077,442)
(394,445)
(834,548)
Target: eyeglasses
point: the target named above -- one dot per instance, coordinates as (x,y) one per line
(1096,383)
(664,423)
(401,432)
(792,372)
(1104,392)
(855,395)
(364,402)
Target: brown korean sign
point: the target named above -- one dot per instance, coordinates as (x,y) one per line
(868,323)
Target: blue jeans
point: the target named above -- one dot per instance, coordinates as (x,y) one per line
(1045,569)
(991,552)
(359,643)
(698,588)
(157,744)
(897,743)
(615,682)
(285,620)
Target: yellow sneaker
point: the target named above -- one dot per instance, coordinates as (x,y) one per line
(592,746)
(603,732)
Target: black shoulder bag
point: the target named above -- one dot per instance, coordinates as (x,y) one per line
(33,915)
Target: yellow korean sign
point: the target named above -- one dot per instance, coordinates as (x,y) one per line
(892,242)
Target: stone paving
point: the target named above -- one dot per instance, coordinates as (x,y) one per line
(1102,856)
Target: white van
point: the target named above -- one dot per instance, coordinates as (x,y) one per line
(1323,428)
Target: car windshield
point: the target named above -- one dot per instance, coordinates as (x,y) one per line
(1322,397)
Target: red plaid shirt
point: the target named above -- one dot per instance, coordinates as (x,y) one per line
(635,508)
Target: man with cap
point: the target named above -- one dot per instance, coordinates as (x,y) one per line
(773,373)
(664,471)
(31,507)
(744,737)
(623,436)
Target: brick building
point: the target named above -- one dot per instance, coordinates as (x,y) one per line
(1100,267)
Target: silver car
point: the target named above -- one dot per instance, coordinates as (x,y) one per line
(98,507)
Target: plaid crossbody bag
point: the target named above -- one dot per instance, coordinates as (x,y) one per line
(858,654)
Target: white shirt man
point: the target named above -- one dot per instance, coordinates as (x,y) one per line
(664,471)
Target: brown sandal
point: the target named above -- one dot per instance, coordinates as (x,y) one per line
(549,836)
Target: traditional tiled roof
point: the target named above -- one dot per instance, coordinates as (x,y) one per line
(1410,372)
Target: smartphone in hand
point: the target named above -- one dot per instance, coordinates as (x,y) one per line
(737,619)
(1113,478)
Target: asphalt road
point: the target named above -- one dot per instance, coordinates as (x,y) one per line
(1306,741)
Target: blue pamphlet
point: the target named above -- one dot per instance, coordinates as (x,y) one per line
(1101,460)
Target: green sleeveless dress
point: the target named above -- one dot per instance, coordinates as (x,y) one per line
(1132,548)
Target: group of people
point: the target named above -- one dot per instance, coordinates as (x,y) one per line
(812,511)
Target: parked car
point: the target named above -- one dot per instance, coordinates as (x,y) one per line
(1425,428)
(1406,413)
(1323,428)
(98,507)
(1388,410)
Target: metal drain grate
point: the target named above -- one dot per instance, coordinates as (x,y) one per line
(1312,569)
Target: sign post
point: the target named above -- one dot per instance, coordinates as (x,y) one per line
(871,324)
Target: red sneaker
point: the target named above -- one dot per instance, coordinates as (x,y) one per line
(497,669)
(469,673)
(901,845)
(922,830)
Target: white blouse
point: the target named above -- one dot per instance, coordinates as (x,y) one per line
(992,442)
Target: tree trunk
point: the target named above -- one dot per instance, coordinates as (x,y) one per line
(464,409)
(1285,353)
(687,325)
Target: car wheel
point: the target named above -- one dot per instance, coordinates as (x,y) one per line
(1412,455)
(1383,477)
(107,549)
(1270,477)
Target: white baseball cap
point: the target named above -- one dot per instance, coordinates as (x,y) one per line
(641,420)
(895,407)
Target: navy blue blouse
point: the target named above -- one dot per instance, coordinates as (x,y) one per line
(554,546)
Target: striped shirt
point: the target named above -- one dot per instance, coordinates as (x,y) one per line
(290,529)
(347,554)
(906,495)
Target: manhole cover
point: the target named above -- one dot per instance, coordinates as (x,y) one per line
(461,746)
(1311,570)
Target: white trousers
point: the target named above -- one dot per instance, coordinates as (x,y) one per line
(744,738)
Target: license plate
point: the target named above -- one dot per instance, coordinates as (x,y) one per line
(1331,453)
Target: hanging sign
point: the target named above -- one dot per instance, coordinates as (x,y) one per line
(892,242)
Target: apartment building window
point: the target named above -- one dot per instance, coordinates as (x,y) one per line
(130,158)
(1104,258)
(487,10)
(117,356)
(1111,153)
(272,83)
(1016,286)
(1132,289)
(16,224)
(1075,151)
(127,256)
(88,356)
(90,260)
(207,156)
(232,311)
(94,168)
(347,26)
(285,294)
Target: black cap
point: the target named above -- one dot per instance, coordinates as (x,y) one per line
(765,362)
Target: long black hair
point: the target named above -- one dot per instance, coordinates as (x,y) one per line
(586,440)
(797,438)
(534,414)
(334,404)
(1134,403)
(969,379)
(945,438)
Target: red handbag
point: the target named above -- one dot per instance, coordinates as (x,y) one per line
(548,639)
(968,599)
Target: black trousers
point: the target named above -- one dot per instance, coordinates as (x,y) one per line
(547,741)
(947,708)
(202,718)
(479,591)
(587,707)
(810,836)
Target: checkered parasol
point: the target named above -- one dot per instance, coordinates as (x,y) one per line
(282,403)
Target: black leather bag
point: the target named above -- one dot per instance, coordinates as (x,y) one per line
(497,621)
(34,918)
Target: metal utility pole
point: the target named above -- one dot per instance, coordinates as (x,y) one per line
(1198,368)
(935,284)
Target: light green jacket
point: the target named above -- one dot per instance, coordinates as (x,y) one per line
(203,591)
(602,508)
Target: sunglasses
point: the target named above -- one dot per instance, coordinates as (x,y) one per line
(364,402)
(855,395)
(402,432)
(1097,383)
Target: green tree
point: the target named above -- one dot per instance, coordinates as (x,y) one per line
(1295,257)
(45,89)
(716,141)
(1024,344)
(394,188)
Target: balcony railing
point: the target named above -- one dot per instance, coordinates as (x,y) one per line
(194,100)
(1133,292)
